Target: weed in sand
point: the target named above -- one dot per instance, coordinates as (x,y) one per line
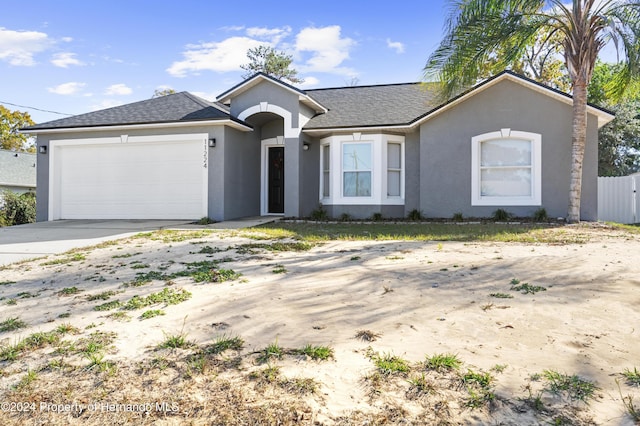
(388,364)
(632,377)
(526,288)
(420,385)
(499,368)
(629,406)
(501,295)
(367,335)
(140,266)
(120,316)
(316,352)
(151,313)
(26,381)
(299,385)
(354,258)
(11,324)
(12,302)
(443,362)
(7,282)
(279,269)
(277,246)
(105,295)
(574,386)
(64,315)
(270,352)
(174,341)
(479,387)
(168,296)
(97,362)
(76,257)
(269,374)
(125,255)
(224,343)
(108,306)
(26,295)
(98,341)
(386,289)
(67,328)
(209,250)
(68,291)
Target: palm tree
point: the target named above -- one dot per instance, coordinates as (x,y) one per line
(478,31)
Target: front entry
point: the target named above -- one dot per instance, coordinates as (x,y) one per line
(275,179)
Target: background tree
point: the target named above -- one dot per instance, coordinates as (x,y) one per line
(479,30)
(10,123)
(274,63)
(162,92)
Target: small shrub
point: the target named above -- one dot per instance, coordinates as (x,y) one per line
(319,214)
(501,215)
(415,215)
(377,217)
(540,215)
(16,209)
(389,364)
(205,221)
(457,217)
(271,351)
(345,217)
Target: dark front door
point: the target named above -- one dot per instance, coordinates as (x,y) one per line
(276,179)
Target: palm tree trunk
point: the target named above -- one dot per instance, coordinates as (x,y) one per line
(578,142)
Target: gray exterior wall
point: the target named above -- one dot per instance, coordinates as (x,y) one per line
(445,151)
(364,211)
(241,179)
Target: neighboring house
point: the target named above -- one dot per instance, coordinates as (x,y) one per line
(267,147)
(17,171)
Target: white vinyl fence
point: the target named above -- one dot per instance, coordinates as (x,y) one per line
(617,199)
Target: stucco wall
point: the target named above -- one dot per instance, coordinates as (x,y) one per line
(445,151)
(241,175)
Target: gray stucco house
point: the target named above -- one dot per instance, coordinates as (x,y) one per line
(266,147)
(17,171)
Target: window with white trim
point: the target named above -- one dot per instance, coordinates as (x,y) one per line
(362,169)
(506,169)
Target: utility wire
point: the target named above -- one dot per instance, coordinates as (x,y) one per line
(37,109)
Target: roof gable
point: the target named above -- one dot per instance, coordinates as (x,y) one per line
(175,108)
(254,80)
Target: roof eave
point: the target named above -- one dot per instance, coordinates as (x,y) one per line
(233,123)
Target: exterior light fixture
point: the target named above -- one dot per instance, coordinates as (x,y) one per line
(305,146)
(42,149)
(212,143)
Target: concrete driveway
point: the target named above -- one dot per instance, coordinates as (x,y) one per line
(44,238)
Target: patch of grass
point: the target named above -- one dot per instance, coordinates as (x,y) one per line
(367,335)
(209,250)
(168,296)
(573,386)
(11,302)
(64,315)
(526,288)
(151,313)
(299,385)
(11,324)
(174,341)
(389,364)
(632,377)
(26,381)
(269,374)
(479,386)
(499,368)
(207,271)
(67,328)
(278,246)
(125,255)
(75,257)
(501,295)
(68,291)
(105,295)
(420,385)
(540,215)
(443,362)
(316,352)
(97,362)
(493,232)
(319,214)
(225,343)
(415,215)
(168,236)
(457,217)
(140,266)
(501,215)
(120,316)
(108,306)
(143,278)
(279,269)
(96,342)
(7,282)
(272,351)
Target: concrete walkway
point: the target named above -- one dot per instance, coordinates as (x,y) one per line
(45,238)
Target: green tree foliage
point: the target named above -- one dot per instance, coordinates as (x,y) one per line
(619,142)
(10,123)
(162,92)
(269,61)
(478,31)
(16,209)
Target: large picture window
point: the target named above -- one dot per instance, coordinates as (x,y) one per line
(506,168)
(356,170)
(362,169)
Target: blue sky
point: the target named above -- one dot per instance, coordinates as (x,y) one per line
(78,56)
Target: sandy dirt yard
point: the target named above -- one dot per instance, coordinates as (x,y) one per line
(210,327)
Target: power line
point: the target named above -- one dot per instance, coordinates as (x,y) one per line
(37,109)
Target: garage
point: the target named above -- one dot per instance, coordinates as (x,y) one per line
(143,177)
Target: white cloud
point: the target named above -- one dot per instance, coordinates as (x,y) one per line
(118,89)
(329,49)
(396,45)
(273,35)
(226,55)
(67,39)
(309,82)
(63,60)
(19,47)
(70,88)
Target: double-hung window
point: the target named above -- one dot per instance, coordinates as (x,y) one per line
(356,169)
(506,169)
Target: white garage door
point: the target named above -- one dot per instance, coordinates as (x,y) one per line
(150,180)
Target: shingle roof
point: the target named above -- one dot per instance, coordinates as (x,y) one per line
(178,107)
(17,169)
(363,106)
